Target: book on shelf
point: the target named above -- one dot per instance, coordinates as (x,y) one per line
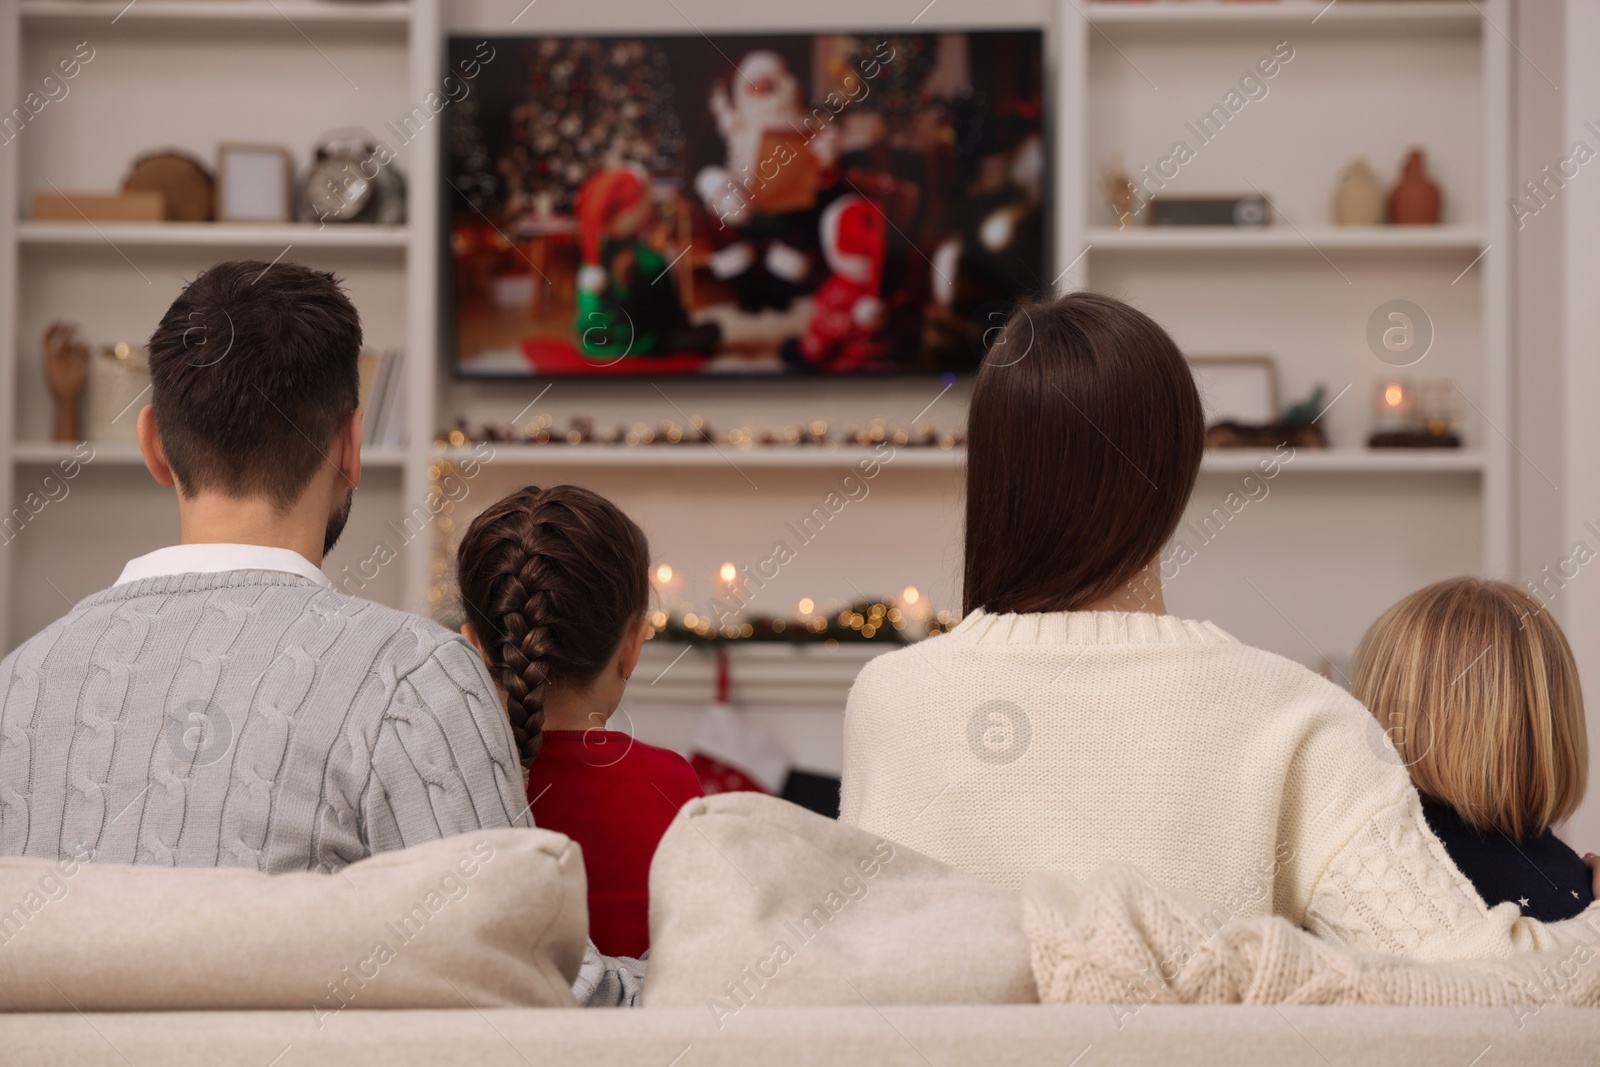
(391,427)
(383,397)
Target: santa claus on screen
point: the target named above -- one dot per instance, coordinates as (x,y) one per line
(849,330)
(763,202)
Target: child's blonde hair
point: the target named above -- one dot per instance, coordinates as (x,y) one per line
(1476,686)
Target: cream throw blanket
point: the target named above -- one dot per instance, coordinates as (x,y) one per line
(1117,938)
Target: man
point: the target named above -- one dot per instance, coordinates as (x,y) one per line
(222,704)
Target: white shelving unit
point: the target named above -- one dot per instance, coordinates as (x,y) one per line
(1368,78)
(193,74)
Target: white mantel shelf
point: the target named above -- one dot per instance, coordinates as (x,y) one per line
(763,676)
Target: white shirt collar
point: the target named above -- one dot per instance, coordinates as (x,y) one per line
(215,559)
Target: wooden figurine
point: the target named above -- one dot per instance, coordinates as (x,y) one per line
(1118,188)
(66,367)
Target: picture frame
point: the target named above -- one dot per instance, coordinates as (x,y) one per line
(1239,389)
(255,183)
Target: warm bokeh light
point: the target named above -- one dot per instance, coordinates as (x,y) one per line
(664,573)
(1393,395)
(807,605)
(911,596)
(729,572)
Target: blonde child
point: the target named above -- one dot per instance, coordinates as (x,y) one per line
(1476,687)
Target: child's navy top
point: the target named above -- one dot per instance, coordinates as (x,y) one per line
(1542,875)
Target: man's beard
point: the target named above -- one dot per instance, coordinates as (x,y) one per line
(336,523)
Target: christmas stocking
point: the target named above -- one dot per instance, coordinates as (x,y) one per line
(731,754)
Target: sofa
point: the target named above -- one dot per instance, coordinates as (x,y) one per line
(994,1036)
(777,937)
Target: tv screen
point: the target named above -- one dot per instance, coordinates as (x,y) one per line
(796,204)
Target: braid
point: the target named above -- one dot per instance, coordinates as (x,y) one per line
(551,578)
(525,652)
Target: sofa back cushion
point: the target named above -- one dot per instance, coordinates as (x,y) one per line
(492,918)
(757,902)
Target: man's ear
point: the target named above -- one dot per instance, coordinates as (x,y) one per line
(155,456)
(632,647)
(348,454)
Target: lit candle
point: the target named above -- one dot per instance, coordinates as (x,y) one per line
(668,583)
(1393,406)
(726,582)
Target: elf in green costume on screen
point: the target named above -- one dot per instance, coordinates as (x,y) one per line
(627,306)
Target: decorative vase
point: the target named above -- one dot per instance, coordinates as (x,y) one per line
(1415,200)
(1359,199)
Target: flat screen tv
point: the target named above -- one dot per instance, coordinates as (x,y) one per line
(791,204)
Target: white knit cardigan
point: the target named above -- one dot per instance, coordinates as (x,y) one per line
(1062,741)
(1122,940)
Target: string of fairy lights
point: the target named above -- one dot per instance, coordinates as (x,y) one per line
(890,619)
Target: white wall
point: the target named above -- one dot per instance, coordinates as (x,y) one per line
(1578,606)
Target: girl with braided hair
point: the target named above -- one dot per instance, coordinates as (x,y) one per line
(555,583)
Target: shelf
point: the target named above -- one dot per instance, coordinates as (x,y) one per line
(261,11)
(1286,238)
(1217,461)
(1349,461)
(1441,14)
(49,453)
(212,234)
(807,457)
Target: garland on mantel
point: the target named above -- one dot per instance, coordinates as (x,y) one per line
(697,432)
(881,621)
(884,620)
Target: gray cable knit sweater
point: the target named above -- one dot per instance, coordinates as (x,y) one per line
(247,719)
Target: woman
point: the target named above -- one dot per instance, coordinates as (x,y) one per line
(1068,720)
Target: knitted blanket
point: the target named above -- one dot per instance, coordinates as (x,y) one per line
(1117,938)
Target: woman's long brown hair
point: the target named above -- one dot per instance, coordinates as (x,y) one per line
(551,579)
(1084,435)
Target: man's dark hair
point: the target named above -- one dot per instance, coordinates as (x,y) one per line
(253,370)
(1084,439)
